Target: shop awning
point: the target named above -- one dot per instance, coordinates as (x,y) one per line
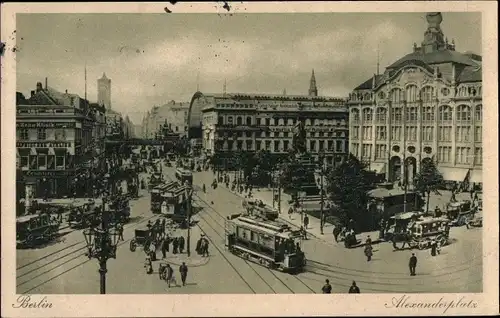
(60,151)
(23,151)
(476,176)
(32,152)
(453,174)
(378,167)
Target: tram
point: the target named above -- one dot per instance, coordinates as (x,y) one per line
(176,204)
(267,243)
(184,175)
(34,228)
(157,195)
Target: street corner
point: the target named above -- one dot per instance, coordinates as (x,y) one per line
(194,260)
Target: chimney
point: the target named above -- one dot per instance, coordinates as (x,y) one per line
(46,80)
(39,87)
(32,93)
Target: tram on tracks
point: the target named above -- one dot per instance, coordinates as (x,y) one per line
(176,205)
(184,175)
(34,228)
(157,197)
(265,242)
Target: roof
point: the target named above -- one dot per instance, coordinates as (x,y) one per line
(470,74)
(263,96)
(383,192)
(368,84)
(436,57)
(404,216)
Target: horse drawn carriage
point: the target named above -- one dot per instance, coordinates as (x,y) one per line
(417,233)
(460,213)
(84,214)
(34,228)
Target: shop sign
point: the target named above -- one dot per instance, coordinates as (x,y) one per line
(45,125)
(43,144)
(49,173)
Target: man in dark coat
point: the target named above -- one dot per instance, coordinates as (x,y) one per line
(327,288)
(354,289)
(413,264)
(181,244)
(198,246)
(164,247)
(306,222)
(183,269)
(175,244)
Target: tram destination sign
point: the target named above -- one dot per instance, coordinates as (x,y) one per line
(43,144)
(46,125)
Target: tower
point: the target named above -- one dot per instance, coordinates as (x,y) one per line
(313,90)
(433,36)
(104,91)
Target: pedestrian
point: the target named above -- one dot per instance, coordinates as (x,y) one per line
(336,232)
(205,248)
(472,193)
(169,275)
(290,212)
(303,232)
(393,239)
(183,269)
(198,245)
(164,247)
(433,248)
(163,227)
(119,227)
(327,288)
(368,240)
(306,221)
(175,244)
(354,289)
(368,252)
(413,264)
(181,244)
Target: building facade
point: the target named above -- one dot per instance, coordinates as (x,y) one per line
(174,114)
(54,141)
(425,106)
(104,91)
(253,122)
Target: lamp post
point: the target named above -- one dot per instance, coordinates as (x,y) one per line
(189,195)
(322,202)
(102,243)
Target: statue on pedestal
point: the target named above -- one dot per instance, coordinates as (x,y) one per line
(299,138)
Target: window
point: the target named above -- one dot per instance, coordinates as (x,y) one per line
(60,134)
(463,133)
(41,134)
(427,93)
(380,151)
(463,113)
(258,145)
(24,162)
(366,151)
(428,113)
(411,93)
(381,132)
(23,134)
(249,145)
(478,134)
(285,134)
(411,133)
(462,91)
(380,115)
(445,113)
(411,114)
(396,133)
(268,122)
(330,145)
(479,113)
(338,146)
(427,133)
(478,156)
(444,133)
(268,144)
(396,96)
(249,121)
(355,132)
(220,120)
(312,145)
(355,114)
(444,154)
(239,121)
(355,149)
(321,145)
(367,132)
(230,145)
(367,115)
(42,161)
(229,120)
(176,128)
(286,144)
(463,155)
(276,146)
(397,114)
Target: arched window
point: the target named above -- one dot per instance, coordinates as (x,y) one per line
(239,121)
(381,115)
(411,93)
(462,91)
(445,113)
(367,96)
(230,120)
(367,115)
(355,114)
(479,113)
(249,121)
(427,93)
(396,95)
(463,113)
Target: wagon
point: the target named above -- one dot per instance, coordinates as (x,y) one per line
(36,227)
(460,213)
(422,233)
(142,237)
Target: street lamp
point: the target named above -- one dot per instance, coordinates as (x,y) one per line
(322,173)
(102,242)
(189,195)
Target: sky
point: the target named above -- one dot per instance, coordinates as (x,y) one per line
(154,58)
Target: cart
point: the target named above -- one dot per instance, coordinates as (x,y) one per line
(460,212)
(422,233)
(142,237)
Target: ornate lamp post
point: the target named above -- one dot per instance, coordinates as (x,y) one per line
(102,243)
(189,195)
(322,174)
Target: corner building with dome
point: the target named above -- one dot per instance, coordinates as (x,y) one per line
(425,106)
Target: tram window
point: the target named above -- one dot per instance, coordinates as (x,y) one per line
(252,236)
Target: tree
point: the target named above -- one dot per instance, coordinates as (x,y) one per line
(428,180)
(348,187)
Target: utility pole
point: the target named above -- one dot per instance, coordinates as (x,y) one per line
(189,205)
(322,224)
(279,192)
